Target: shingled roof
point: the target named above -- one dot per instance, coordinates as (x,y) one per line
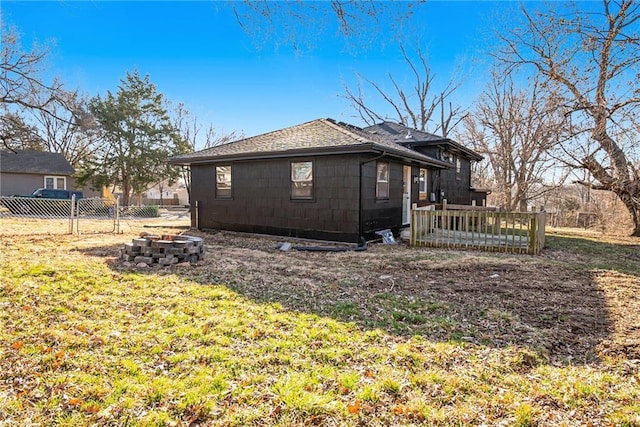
(317,137)
(34,162)
(409,137)
(401,134)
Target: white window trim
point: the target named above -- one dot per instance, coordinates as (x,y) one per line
(55,182)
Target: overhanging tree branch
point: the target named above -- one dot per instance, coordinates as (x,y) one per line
(592,59)
(413,105)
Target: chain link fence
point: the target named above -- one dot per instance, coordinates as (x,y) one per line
(97,216)
(24,215)
(30,207)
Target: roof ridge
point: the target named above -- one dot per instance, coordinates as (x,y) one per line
(260,135)
(342,127)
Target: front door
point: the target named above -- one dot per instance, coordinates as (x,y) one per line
(406,195)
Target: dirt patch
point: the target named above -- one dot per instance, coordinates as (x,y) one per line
(553,304)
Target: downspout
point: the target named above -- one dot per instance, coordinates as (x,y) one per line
(360,224)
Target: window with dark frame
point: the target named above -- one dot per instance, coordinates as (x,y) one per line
(382,180)
(302,180)
(457,168)
(223,182)
(422,185)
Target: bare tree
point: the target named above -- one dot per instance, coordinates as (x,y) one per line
(301,24)
(67,128)
(416,106)
(515,130)
(16,134)
(189,130)
(22,87)
(592,59)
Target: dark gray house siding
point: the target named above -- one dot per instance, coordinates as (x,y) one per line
(451,185)
(261,201)
(456,186)
(379,214)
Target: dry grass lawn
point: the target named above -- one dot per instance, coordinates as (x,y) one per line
(252,335)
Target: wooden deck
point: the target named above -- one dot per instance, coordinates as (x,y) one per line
(517,232)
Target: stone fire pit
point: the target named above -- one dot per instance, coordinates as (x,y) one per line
(163,250)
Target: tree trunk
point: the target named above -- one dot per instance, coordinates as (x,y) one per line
(126,192)
(632,202)
(523,204)
(626,187)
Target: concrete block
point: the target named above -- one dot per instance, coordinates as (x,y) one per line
(183,244)
(131,249)
(167,261)
(143,259)
(161,244)
(164,250)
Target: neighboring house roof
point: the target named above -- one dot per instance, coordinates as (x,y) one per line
(322,136)
(409,137)
(34,162)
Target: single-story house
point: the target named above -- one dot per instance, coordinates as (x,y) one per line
(165,193)
(23,171)
(321,179)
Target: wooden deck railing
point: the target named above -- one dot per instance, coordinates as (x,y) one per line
(518,232)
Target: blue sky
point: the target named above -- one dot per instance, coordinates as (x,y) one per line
(197,53)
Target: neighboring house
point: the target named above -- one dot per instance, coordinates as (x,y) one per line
(453,183)
(320,179)
(166,194)
(24,171)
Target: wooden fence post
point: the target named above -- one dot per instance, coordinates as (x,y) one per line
(533,244)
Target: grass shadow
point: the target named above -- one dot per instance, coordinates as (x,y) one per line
(553,304)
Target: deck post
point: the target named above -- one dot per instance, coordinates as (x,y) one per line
(533,232)
(412,226)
